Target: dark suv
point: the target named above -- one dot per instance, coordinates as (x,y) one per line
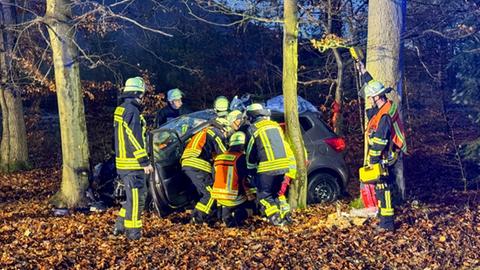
(171,189)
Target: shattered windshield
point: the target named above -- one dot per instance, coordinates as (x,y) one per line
(190,121)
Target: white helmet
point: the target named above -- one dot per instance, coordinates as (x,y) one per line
(374,88)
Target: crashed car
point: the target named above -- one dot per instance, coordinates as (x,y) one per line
(171,189)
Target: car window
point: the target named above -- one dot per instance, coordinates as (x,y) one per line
(305,123)
(166,146)
(190,121)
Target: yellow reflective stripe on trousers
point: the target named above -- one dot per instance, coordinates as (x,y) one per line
(135,222)
(269,209)
(374,153)
(122,212)
(231,203)
(205,208)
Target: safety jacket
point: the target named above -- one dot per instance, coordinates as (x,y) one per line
(230,173)
(386,136)
(130,130)
(202,149)
(267,151)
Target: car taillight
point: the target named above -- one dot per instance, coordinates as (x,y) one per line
(337,143)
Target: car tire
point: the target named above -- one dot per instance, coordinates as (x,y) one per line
(322,187)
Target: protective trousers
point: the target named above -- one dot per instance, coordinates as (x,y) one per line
(386,212)
(267,190)
(205,206)
(130,216)
(234,216)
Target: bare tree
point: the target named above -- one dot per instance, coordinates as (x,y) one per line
(75,153)
(298,191)
(386,24)
(13,147)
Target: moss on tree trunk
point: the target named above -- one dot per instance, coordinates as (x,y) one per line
(75,153)
(298,190)
(386,24)
(13,146)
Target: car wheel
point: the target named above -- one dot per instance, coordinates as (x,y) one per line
(322,187)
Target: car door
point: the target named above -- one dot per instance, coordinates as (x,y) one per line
(169,187)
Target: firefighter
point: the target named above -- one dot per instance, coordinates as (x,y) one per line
(230,188)
(386,141)
(285,210)
(174,108)
(267,158)
(220,106)
(132,162)
(197,160)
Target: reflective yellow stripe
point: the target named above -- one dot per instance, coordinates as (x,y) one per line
(127,164)
(269,209)
(379,141)
(134,222)
(220,144)
(217,140)
(121,142)
(122,212)
(197,163)
(222,194)
(119,111)
(279,164)
(189,153)
(374,153)
(205,208)
(388,199)
(226,157)
(131,137)
(140,153)
(196,140)
(237,201)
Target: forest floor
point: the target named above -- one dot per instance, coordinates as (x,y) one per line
(440,233)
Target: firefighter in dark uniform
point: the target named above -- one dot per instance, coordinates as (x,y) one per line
(131,160)
(174,108)
(267,159)
(197,160)
(386,141)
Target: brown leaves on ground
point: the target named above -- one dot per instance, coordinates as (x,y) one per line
(435,236)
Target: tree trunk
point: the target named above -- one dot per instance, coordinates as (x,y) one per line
(335,27)
(298,190)
(338,117)
(75,154)
(13,146)
(386,24)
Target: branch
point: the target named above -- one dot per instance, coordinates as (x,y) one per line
(320,81)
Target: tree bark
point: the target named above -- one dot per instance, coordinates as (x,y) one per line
(335,26)
(13,146)
(386,24)
(298,190)
(73,130)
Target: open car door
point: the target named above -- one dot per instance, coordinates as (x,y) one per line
(169,187)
